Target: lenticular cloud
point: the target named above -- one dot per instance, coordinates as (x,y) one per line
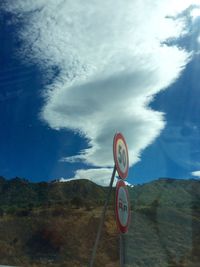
(111,59)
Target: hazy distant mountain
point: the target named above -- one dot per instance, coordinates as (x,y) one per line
(55,224)
(165,228)
(168,192)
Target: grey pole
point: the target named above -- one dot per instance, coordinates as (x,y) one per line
(102,218)
(121,250)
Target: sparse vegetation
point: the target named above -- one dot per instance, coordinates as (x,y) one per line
(55,224)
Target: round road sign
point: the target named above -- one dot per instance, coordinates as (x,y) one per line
(122,207)
(120,153)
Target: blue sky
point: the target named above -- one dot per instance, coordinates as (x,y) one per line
(71,75)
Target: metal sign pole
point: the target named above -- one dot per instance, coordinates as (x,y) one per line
(102,218)
(121,250)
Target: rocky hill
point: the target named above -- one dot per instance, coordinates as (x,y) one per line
(22,193)
(55,224)
(165,228)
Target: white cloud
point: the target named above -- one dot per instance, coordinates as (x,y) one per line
(100,176)
(195,13)
(196,174)
(179,6)
(112,60)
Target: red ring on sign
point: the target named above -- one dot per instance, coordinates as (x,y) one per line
(122,228)
(117,137)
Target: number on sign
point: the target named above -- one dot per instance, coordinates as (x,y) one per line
(122,156)
(123,206)
(120,153)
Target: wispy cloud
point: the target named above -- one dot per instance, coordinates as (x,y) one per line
(196,174)
(100,176)
(195,13)
(111,60)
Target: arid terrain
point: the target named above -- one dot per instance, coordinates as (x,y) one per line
(55,224)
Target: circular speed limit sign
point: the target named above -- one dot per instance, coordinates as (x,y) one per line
(120,152)
(122,207)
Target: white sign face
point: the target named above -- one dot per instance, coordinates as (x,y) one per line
(122,155)
(120,152)
(122,207)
